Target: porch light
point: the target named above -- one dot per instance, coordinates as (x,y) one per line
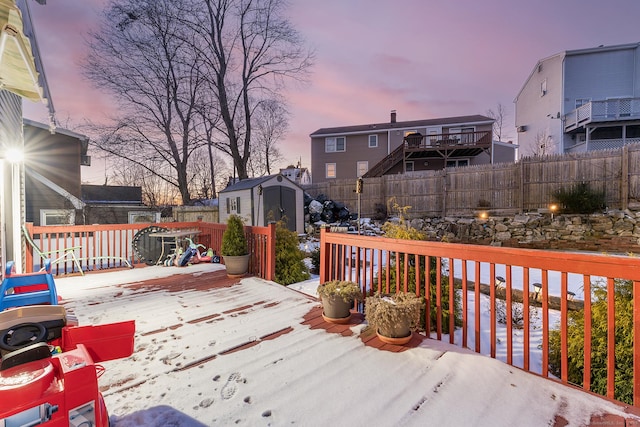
(14,155)
(537,288)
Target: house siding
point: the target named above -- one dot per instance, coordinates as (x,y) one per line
(57,158)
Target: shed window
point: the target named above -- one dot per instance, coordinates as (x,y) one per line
(233,205)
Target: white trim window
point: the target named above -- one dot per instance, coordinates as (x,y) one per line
(373,141)
(335,144)
(136,217)
(57,217)
(362,167)
(409,166)
(330,170)
(457,163)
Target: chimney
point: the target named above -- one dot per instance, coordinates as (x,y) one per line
(393,116)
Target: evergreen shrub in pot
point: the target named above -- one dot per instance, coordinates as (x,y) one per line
(234,248)
(394,317)
(337,299)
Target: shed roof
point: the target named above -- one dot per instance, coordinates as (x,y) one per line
(246,184)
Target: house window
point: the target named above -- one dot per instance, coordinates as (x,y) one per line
(330,169)
(543,87)
(457,163)
(335,144)
(233,205)
(57,217)
(409,167)
(362,168)
(373,141)
(581,101)
(136,217)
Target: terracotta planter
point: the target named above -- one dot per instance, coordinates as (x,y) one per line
(336,310)
(396,332)
(237,266)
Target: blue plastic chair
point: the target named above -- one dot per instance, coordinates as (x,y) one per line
(15,292)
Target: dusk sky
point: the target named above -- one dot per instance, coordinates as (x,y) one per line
(423,58)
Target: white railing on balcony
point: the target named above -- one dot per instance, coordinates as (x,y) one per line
(607,110)
(600,144)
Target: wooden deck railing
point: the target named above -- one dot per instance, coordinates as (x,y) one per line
(100,246)
(370,260)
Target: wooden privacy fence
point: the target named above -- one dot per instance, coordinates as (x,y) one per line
(382,264)
(104,246)
(503,188)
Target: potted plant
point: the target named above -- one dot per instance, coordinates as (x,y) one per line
(234,248)
(393,317)
(337,299)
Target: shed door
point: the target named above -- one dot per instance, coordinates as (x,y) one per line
(280,203)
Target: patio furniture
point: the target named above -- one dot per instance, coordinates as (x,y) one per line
(18,290)
(147,248)
(172,239)
(68,252)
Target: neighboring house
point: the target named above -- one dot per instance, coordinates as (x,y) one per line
(299,175)
(259,201)
(52,174)
(22,77)
(581,100)
(114,204)
(398,147)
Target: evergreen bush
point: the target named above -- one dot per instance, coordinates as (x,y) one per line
(290,266)
(623,390)
(234,242)
(580,199)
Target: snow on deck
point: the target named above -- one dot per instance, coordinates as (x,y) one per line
(214,351)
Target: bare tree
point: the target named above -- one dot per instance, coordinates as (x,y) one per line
(270,123)
(155,191)
(140,57)
(251,50)
(500,115)
(543,144)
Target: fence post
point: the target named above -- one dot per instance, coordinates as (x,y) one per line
(624,178)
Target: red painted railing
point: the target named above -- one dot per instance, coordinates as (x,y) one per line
(374,262)
(101,246)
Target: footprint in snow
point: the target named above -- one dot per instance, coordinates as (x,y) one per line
(231,387)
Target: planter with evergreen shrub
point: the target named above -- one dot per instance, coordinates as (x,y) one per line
(234,248)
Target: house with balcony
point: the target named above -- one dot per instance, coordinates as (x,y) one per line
(377,149)
(581,100)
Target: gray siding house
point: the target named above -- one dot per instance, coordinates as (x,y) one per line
(581,100)
(259,201)
(349,152)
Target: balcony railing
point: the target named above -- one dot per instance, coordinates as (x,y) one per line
(544,281)
(101,245)
(603,111)
(414,142)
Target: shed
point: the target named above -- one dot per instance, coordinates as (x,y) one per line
(259,201)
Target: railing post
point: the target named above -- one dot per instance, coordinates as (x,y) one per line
(28,250)
(324,254)
(271,252)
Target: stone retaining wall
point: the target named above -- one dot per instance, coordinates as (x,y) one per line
(614,231)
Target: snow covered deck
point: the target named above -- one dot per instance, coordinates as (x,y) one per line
(215,351)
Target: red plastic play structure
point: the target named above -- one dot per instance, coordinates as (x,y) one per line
(49,369)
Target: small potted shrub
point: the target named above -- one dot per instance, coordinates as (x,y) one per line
(234,248)
(337,299)
(393,317)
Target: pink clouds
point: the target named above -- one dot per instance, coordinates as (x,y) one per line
(422,58)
